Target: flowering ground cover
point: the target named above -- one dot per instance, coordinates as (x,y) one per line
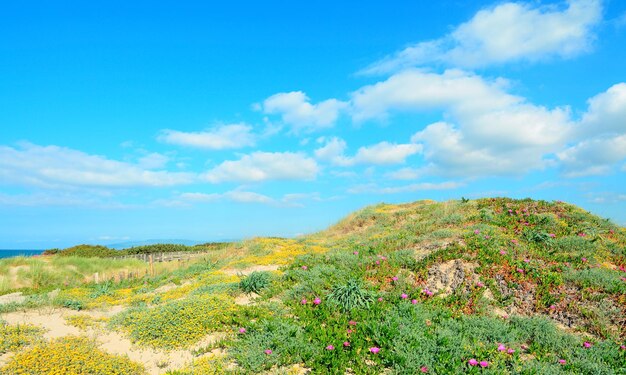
(488,286)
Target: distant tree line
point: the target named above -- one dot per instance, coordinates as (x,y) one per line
(99,251)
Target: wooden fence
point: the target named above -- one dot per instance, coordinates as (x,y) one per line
(165,256)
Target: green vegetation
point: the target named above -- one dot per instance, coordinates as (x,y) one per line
(493,286)
(255,282)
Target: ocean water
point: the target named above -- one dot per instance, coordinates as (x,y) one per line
(15,253)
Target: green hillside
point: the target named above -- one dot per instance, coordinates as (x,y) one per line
(490,286)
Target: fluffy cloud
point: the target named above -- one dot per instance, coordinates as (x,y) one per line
(234,196)
(264,166)
(373,188)
(242,196)
(153,160)
(406,174)
(508,32)
(383,153)
(606,113)
(60,167)
(333,152)
(593,157)
(495,132)
(222,137)
(601,136)
(297,111)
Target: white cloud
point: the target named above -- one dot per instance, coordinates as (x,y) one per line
(373,188)
(297,111)
(600,139)
(406,174)
(264,166)
(221,137)
(508,32)
(153,160)
(606,113)
(383,153)
(60,167)
(242,196)
(593,157)
(333,152)
(495,132)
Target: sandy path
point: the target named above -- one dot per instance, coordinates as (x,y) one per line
(53,321)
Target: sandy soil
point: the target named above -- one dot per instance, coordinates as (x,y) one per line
(156,362)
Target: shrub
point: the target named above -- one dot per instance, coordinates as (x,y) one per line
(255,282)
(350,296)
(89,251)
(176,324)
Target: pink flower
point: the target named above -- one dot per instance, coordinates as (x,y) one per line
(520,270)
(424,369)
(551,235)
(487,237)
(552,307)
(317,301)
(479,284)
(414,301)
(583,259)
(330,347)
(472,362)
(502,252)
(510,351)
(524,346)
(427,292)
(374,350)
(268,351)
(355,252)
(305,268)
(395,278)
(352,323)
(501,348)
(349,331)
(404,296)
(242,330)
(581,234)
(383,258)
(526,260)
(622,347)
(380,299)
(377,262)
(562,361)
(515,242)
(623,278)
(303,301)
(587,344)
(484,364)
(346,344)
(476,231)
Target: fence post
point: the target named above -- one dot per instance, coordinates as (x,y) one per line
(151,265)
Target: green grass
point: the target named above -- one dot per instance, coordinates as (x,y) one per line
(532,267)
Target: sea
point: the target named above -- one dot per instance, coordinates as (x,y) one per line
(16,253)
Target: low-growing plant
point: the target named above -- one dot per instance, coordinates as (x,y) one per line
(255,282)
(69,355)
(350,296)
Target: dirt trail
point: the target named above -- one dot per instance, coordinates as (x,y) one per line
(53,321)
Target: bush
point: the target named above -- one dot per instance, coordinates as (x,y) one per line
(255,282)
(89,251)
(350,296)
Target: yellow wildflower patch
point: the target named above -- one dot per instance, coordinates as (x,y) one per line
(69,356)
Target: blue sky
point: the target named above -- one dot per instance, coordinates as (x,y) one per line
(126,121)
